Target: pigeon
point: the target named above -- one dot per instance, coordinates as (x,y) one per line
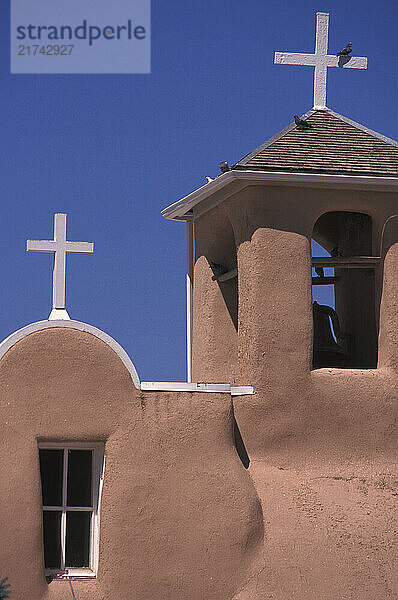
(208,179)
(346,50)
(319,271)
(4,588)
(224,167)
(301,124)
(217,269)
(335,252)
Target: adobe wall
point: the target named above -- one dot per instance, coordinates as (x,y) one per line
(180,517)
(215,306)
(271,228)
(322,444)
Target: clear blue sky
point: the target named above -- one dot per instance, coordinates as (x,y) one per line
(113,150)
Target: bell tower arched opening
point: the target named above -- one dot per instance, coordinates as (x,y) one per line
(343,284)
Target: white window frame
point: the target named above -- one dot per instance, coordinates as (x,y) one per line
(98,468)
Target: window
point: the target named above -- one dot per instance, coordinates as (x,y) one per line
(71,481)
(345,291)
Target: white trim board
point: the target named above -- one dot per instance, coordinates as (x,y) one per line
(178,210)
(180,386)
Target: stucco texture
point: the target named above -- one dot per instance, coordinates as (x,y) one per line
(180,517)
(322,443)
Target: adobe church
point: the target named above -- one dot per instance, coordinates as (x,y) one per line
(271,473)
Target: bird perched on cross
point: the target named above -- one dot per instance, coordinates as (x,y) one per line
(345,51)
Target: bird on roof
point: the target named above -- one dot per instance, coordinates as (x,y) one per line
(301,124)
(208,179)
(218,269)
(335,252)
(345,50)
(224,166)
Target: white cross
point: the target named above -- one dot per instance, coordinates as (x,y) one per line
(321,60)
(59,246)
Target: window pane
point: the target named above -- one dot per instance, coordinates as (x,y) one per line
(52,539)
(51,476)
(79,477)
(78,528)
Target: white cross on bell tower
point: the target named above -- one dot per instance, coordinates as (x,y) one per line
(321,60)
(60,247)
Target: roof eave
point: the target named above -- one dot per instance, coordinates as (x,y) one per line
(182,210)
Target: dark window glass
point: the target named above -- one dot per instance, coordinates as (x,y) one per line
(51,476)
(79,477)
(52,539)
(78,528)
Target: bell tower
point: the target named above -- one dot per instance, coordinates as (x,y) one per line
(257,318)
(294,293)
(253,315)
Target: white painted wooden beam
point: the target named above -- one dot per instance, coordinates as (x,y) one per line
(181,386)
(224,185)
(189,284)
(351,262)
(227,276)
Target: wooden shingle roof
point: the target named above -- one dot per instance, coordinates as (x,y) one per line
(334,144)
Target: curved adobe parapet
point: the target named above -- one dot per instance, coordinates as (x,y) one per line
(15,337)
(180,517)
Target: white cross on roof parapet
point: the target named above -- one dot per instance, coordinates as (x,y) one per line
(60,247)
(321,60)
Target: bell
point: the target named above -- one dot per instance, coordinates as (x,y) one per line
(327,352)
